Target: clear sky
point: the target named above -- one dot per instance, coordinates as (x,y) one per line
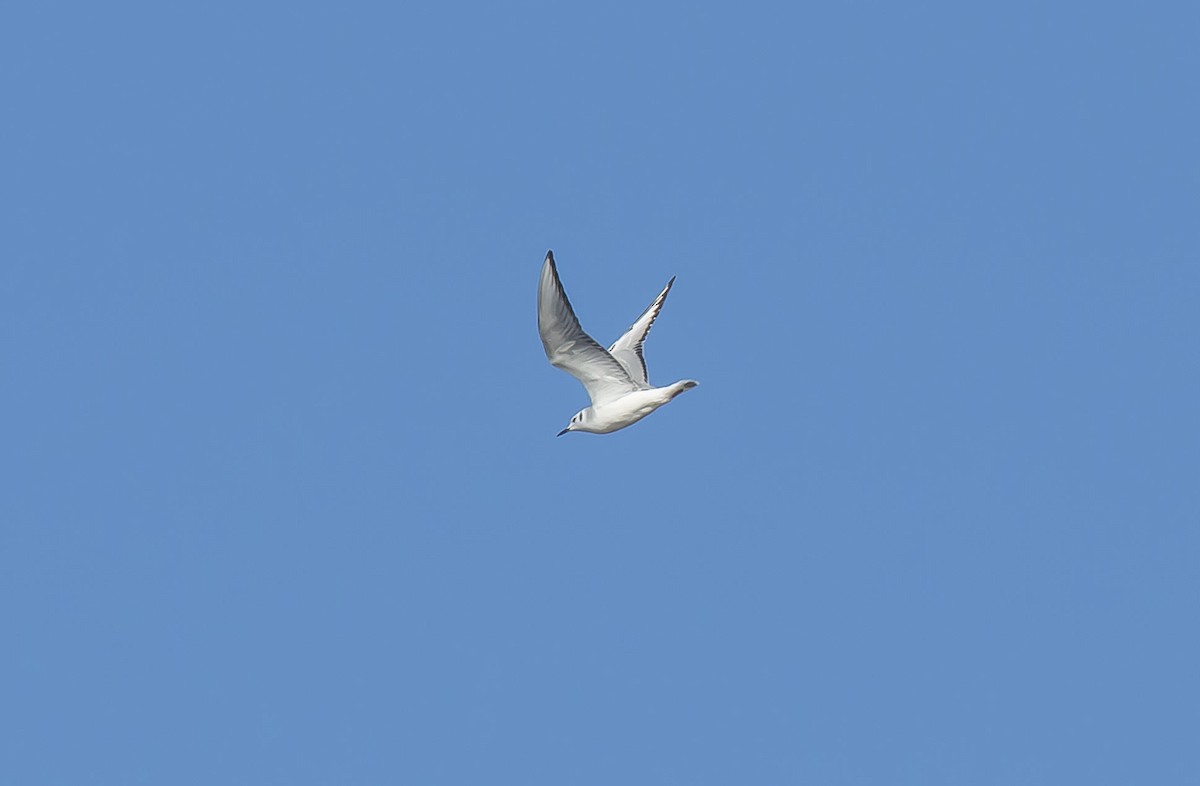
(282,501)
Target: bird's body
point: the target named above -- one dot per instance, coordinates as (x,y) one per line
(616,379)
(628,409)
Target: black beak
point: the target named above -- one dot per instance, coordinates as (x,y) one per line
(564,431)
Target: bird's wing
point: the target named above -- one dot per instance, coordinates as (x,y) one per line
(572,350)
(628,348)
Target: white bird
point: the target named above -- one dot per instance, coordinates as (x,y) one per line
(615,379)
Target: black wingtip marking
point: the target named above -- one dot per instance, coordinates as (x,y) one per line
(550,255)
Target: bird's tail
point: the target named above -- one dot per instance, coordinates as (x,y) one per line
(682,385)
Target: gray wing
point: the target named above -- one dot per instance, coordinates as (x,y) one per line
(628,348)
(572,350)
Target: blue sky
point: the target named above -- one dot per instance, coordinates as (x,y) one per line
(283,502)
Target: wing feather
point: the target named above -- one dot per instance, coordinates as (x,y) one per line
(628,348)
(568,347)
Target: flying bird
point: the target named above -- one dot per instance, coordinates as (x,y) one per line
(615,378)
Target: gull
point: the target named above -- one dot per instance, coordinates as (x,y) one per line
(615,378)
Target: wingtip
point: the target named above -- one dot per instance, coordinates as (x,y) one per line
(549,255)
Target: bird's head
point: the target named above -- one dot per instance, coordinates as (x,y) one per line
(575,423)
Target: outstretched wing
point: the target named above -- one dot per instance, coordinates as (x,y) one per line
(628,348)
(572,350)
